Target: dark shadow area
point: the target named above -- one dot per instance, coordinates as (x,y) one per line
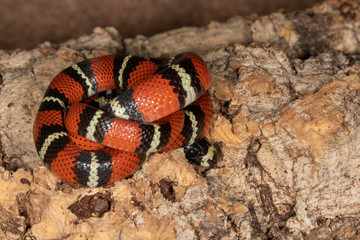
(24,24)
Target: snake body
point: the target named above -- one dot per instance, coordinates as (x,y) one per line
(100,118)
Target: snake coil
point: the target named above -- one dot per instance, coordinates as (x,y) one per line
(100,118)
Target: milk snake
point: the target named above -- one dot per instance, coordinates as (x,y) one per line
(100,118)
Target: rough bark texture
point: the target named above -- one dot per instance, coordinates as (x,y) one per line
(287,124)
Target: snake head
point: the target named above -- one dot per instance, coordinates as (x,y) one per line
(202,153)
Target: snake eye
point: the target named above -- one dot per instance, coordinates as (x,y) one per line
(193,151)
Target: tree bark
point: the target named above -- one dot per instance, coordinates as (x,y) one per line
(286,91)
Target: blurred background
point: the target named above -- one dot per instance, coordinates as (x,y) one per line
(27,23)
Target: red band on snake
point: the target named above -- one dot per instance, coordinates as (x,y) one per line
(92,140)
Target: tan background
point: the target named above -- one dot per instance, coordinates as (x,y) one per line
(24,24)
